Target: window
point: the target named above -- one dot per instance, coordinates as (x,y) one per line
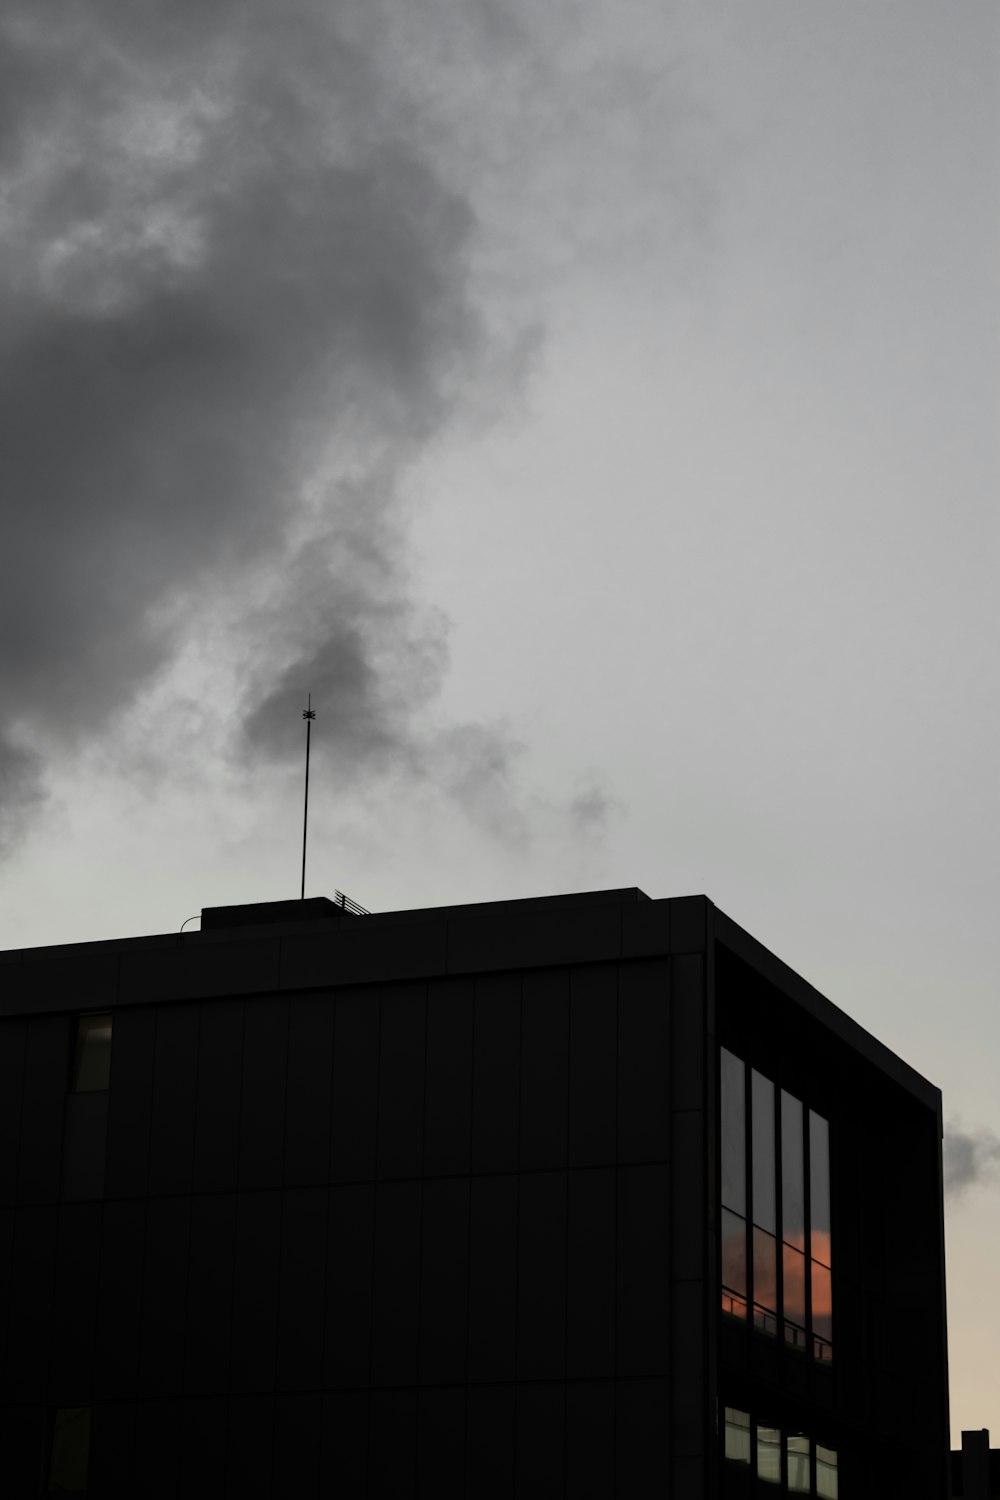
(69,1451)
(92,1059)
(793,1222)
(775,1211)
(819,1240)
(734,1264)
(734,1186)
(826,1473)
(793,1298)
(765,1263)
(786,1462)
(738,1436)
(734,1165)
(769,1455)
(798,1464)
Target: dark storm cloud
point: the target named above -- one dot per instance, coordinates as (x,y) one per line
(372,663)
(971,1158)
(343,629)
(235,306)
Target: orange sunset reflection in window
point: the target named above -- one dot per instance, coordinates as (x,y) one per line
(776,1252)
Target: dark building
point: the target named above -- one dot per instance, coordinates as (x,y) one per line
(975,1468)
(584,1196)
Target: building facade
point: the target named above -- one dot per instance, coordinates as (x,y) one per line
(583,1196)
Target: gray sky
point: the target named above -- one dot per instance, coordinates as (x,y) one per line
(597,413)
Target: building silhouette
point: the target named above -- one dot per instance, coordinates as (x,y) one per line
(582,1196)
(975,1468)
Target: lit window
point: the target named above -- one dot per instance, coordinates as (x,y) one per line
(92,1061)
(738,1435)
(798,1464)
(769,1455)
(70,1450)
(780,1458)
(826,1473)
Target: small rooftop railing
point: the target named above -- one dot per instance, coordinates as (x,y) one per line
(348,905)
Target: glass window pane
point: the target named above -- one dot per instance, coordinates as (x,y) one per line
(92,1061)
(826,1473)
(762,1137)
(733,1115)
(737,1435)
(794,1296)
(70,1450)
(769,1455)
(819,1187)
(793,1200)
(734,1264)
(798,1464)
(822,1303)
(765,1281)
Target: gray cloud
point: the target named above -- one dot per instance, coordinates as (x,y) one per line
(373,663)
(971,1159)
(592,808)
(20,790)
(257,260)
(236,306)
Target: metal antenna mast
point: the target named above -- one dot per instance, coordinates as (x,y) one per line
(308,714)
